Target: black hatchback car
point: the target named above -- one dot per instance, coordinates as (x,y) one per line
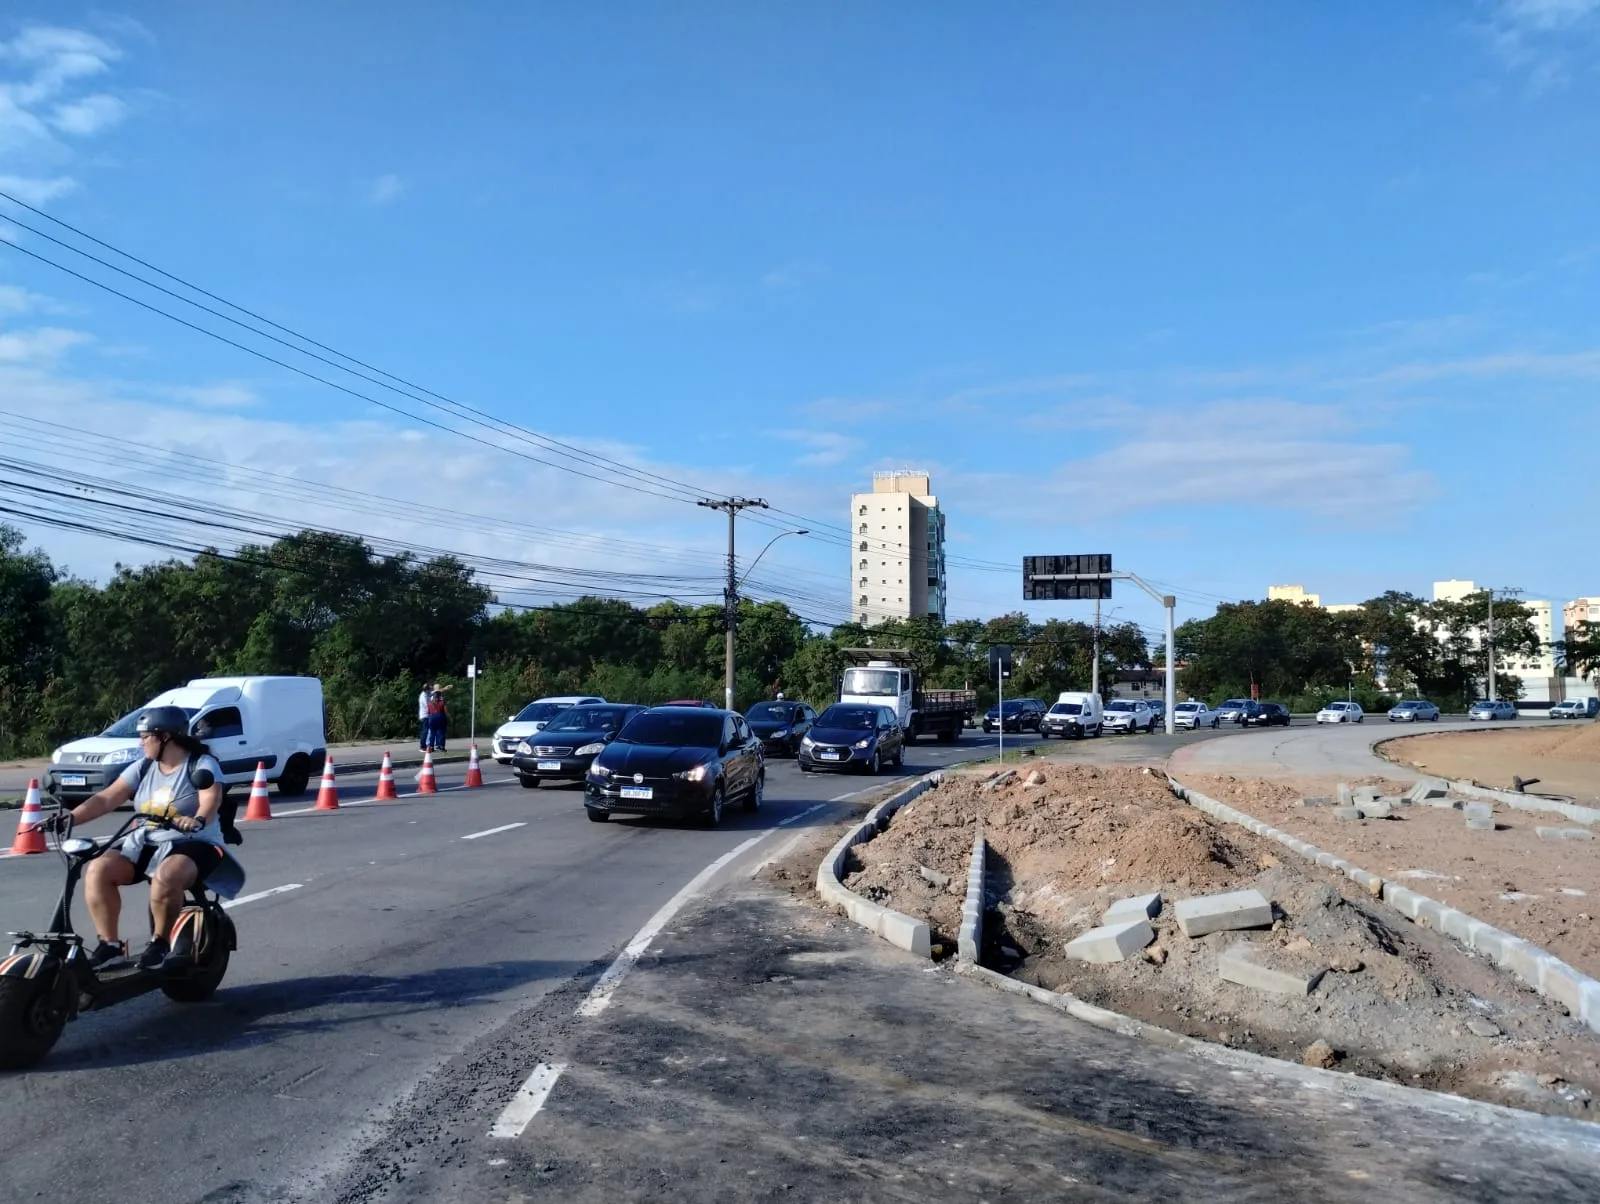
(1269,714)
(781,725)
(564,748)
(680,762)
(1019,715)
(851,735)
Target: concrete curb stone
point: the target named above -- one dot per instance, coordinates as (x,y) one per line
(969,942)
(1535,967)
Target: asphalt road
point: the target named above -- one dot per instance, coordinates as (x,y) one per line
(376,943)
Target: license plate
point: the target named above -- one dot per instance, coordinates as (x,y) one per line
(830,756)
(637,792)
(552,766)
(74,779)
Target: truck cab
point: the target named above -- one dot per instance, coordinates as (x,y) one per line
(881,683)
(889,677)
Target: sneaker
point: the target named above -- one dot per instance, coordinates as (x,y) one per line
(110,955)
(154,953)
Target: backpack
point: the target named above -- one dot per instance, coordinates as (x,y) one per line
(225,813)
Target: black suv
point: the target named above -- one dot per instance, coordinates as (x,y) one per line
(1268,714)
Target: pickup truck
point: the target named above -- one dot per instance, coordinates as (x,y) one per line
(888,677)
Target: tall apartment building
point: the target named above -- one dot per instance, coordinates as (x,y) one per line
(897,561)
(1536,670)
(1579,610)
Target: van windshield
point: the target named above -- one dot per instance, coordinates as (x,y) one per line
(128,726)
(872,683)
(1067,708)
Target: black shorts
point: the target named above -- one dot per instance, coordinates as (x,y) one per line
(205,855)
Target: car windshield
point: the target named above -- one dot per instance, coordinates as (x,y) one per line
(1187,706)
(770,712)
(536,711)
(1066,708)
(675,729)
(1120,705)
(1010,708)
(880,683)
(1236,702)
(587,719)
(850,718)
(128,725)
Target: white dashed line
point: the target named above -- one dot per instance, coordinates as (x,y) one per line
(493,831)
(525,1104)
(261,894)
(794,819)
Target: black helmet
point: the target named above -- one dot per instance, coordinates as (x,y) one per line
(170,721)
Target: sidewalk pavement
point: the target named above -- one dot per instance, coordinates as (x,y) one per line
(766,1049)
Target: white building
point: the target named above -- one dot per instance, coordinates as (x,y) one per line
(1579,610)
(1538,673)
(897,561)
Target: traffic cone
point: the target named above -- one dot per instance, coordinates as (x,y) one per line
(386,790)
(30,838)
(425,782)
(328,794)
(474,774)
(259,807)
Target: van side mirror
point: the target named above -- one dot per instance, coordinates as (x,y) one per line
(202,779)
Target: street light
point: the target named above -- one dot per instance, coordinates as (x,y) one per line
(763,552)
(731,594)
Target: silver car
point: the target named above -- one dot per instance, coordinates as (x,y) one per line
(1191,716)
(1414,711)
(1484,710)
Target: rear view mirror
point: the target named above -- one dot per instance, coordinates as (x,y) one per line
(202,779)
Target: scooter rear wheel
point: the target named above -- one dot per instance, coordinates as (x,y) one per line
(202,982)
(30,1024)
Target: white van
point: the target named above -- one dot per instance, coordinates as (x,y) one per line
(1074,714)
(274,720)
(531,719)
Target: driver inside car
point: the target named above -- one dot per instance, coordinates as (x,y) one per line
(174,857)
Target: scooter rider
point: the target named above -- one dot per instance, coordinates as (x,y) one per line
(174,858)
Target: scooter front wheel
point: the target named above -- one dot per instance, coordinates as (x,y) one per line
(30,1022)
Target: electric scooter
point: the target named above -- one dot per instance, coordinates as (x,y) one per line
(46,980)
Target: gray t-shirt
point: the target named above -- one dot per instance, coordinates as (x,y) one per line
(171,794)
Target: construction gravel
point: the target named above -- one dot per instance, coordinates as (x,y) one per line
(1397,1002)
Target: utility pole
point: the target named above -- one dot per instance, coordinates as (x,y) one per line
(730,618)
(1489,642)
(1094,679)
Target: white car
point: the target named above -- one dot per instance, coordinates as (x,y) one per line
(1191,716)
(1575,708)
(531,719)
(1128,715)
(1341,712)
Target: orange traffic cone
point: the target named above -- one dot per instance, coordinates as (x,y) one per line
(425,781)
(328,794)
(259,806)
(30,838)
(474,774)
(386,790)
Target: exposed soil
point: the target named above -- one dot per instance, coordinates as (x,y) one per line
(1563,755)
(1545,891)
(1396,1001)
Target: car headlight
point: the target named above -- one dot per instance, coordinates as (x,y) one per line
(591,750)
(806,741)
(524,748)
(55,757)
(864,742)
(697,774)
(599,771)
(122,756)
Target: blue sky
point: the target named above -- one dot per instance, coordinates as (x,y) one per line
(1241,293)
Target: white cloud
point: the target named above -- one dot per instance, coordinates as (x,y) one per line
(831,447)
(226,395)
(17,300)
(1543,38)
(385,189)
(36,191)
(89,115)
(43,344)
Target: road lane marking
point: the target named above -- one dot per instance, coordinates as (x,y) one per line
(494,831)
(261,894)
(599,997)
(525,1104)
(794,819)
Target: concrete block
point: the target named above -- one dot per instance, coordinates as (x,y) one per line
(1375,809)
(1560,982)
(1526,960)
(1364,794)
(1564,833)
(1428,788)
(1224,912)
(1430,913)
(1589,1004)
(1111,942)
(1327,861)
(1481,825)
(1478,811)
(1368,882)
(1402,900)
(1236,966)
(1492,943)
(1458,925)
(1347,813)
(1134,907)
(1346,797)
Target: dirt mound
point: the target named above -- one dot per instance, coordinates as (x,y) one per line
(1396,1001)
